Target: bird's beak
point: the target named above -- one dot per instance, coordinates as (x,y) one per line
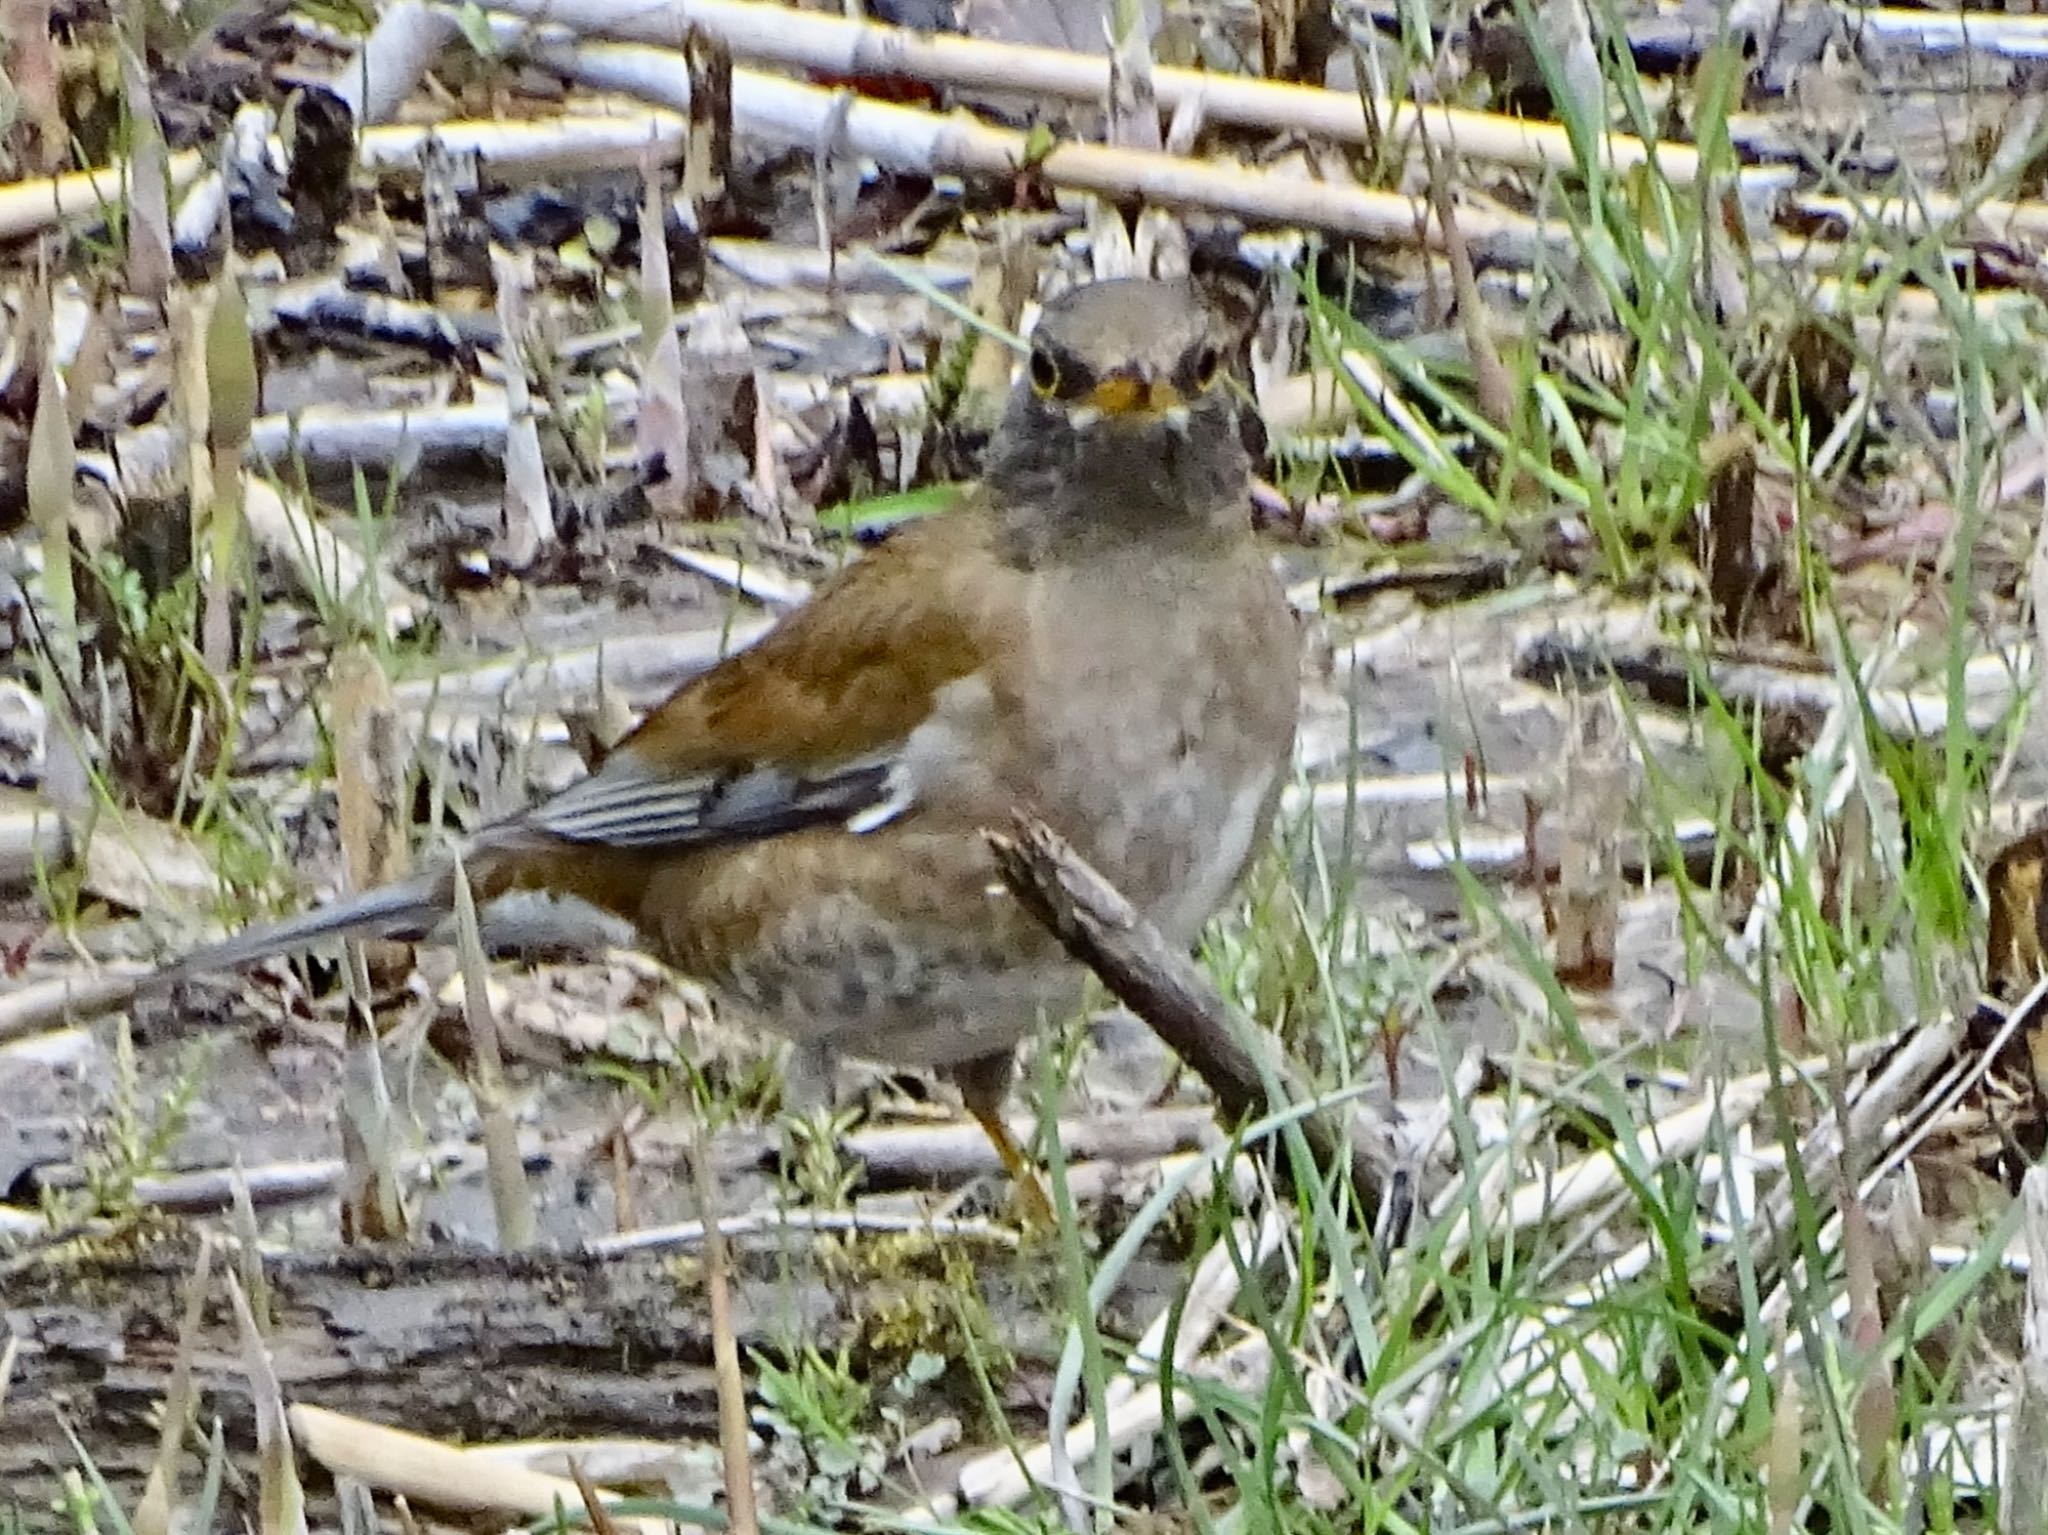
(1128,392)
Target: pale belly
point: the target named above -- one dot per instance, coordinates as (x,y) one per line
(936,988)
(980,976)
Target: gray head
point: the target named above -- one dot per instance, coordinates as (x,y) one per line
(1123,426)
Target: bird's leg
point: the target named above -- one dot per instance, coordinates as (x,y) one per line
(983,1083)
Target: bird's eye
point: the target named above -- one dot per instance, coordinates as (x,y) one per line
(1045,373)
(1208,363)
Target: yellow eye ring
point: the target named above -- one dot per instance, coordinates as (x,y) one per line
(1045,374)
(1208,363)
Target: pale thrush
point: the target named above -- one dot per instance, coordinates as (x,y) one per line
(1094,635)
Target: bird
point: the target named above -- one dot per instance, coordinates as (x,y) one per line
(1092,635)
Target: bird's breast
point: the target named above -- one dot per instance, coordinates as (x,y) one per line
(1153,720)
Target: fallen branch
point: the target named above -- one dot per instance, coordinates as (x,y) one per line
(569,1345)
(1242,1065)
(1796,702)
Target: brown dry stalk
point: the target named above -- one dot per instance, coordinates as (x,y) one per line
(725,1354)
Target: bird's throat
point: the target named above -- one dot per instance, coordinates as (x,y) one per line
(1066,492)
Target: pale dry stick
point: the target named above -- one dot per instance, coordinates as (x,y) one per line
(779,267)
(903,138)
(331,301)
(511,1197)
(40,1005)
(51,495)
(1887,317)
(638,665)
(160,1502)
(2024,1507)
(1505,1209)
(33,835)
(208,1190)
(325,566)
(248,1251)
(686,1234)
(1212,1290)
(281,1500)
(2021,222)
(33,1227)
(7,1357)
(1503,853)
(528,507)
(807,40)
(28,207)
(527,694)
(2011,36)
(767,587)
(952,1153)
(725,1354)
(1623,642)
(584,141)
(340,435)
(1372,383)
(408,37)
(1930,1046)
(526,149)
(441,1476)
(1003,1479)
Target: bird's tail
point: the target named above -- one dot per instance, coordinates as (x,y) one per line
(409,909)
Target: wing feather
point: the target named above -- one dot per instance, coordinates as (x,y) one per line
(813,725)
(629,804)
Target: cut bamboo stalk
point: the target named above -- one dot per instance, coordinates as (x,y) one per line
(2013,37)
(903,138)
(27,207)
(581,141)
(833,45)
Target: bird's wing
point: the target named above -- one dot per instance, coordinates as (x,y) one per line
(631,802)
(815,723)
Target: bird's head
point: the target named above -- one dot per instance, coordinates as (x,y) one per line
(1123,421)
